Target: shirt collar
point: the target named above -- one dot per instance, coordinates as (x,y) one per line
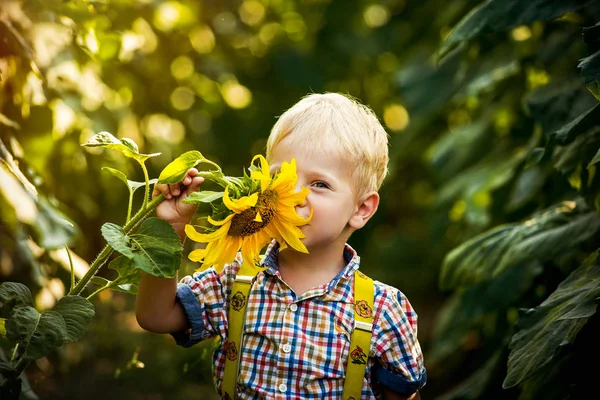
(351,258)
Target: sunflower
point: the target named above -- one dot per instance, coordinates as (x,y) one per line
(255,219)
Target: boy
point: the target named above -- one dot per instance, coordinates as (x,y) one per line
(300,311)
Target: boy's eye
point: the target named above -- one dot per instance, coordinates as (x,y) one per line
(321,185)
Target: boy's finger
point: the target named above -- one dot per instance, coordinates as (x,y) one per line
(174,189)
(193,187)
(161,189)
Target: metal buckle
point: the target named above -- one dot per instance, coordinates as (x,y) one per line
(244,278)
(363,326)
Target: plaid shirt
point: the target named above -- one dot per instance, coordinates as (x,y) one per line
(296,347)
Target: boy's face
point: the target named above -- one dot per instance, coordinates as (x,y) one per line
(331,196)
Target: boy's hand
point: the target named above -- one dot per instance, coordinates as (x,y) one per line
(173,209)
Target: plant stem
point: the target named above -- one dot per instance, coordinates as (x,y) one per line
(72,268)
(107,250)
(147,188)
(96,292)
(14,354)
(132,224)
(130,205)
(21,365)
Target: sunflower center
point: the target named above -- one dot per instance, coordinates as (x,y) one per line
(248,222)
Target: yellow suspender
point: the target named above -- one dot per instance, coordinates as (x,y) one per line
(360,342)
(235,318)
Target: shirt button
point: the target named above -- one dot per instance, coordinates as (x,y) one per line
(294,307)
(283,388)
(287,348)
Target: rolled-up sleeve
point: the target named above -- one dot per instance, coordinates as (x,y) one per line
(204,296)
(399,361)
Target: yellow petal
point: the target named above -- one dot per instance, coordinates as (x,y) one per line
(239,205)
(258,218)
(197,255)
(264,175)
(286,177)
(193,234)
(289,236)
(219,223)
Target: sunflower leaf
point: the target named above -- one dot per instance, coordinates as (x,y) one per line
(547,235)
(38,333)
(176,170)
(116,238)
(155,248)
(15,294)
(503,15)
(129,276)
(132,185)
(77,313)
(203,197)
(126,146)
(555,323)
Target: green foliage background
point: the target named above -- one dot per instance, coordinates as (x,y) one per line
(489,219)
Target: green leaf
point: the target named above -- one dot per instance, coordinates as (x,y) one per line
(7,371)
(38,333)
(467,309)
(595,160)
(2,327)
(53,229)
(176,170)
(21,324)
(545,236)
(116,238)
(503,15)
(77,313)
(590,66)
(15,294)
(49,334)
(475,385)
(203,197)
(100,281)
(579,125)
(558,103)
(129,276)
(155,248)
(125,146)
(132,185)
(555,323)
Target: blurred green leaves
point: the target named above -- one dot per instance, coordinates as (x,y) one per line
(503,15)
(554,323)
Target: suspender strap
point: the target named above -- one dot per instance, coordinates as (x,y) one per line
(360,344)
(235,319)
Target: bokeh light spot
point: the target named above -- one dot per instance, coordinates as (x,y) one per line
(376,15)
(235,95)
(521,33)
(396,117)
(252,12)
(182,98)
(182,67)
(202,39)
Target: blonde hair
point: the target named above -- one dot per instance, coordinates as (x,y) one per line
(332,120)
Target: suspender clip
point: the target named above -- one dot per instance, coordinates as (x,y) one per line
(244,278)
(363,326)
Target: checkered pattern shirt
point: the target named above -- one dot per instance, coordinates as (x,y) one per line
(296,346)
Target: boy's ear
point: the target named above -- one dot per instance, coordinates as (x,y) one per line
(364,210)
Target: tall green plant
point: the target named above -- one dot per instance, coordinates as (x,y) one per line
(524,291)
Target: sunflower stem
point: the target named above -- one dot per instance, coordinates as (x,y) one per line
(107,250)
